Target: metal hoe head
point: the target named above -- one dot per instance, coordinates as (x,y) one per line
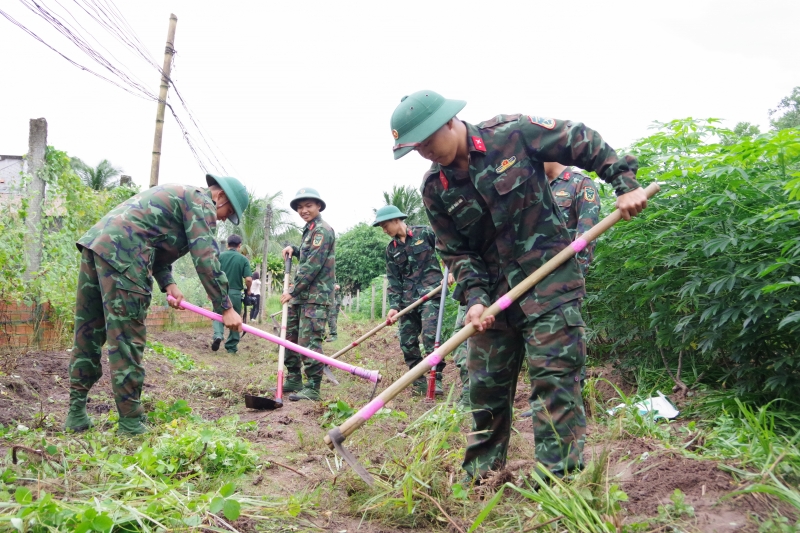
(261,403)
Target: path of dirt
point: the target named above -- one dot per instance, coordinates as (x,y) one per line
(36,392)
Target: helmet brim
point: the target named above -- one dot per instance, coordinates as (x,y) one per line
(227,187)
(392,216)
(428,127)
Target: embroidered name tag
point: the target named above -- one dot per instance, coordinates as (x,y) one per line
(458,203)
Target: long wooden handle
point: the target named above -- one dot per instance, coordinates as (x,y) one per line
(287,270)
(366,412)
(385,323)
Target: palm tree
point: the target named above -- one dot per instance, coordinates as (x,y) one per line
(98,178)
(251,226)
(408,200)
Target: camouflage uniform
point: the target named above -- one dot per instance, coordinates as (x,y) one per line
(311,293)
(413,271)
(496,223)
(133,244)
(333,312)
(236,267)
(577,199)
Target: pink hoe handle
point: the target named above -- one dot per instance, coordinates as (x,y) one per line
(372,375)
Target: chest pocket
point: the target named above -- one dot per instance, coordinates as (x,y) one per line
(512,178)
(563,203)
(462,206)
(400,257)
(420,249)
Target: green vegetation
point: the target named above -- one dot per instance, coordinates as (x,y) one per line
(360,255)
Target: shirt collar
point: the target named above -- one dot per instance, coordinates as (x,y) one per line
(313,224)
(565,175)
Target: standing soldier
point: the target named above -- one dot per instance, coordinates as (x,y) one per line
(496,223)
(333,312)
(310,295)
(236,268)
(413,271)
(578,202)
(121,255)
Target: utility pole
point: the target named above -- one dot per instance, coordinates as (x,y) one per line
(264,278)
(169,51)
(385,290)
(37,147)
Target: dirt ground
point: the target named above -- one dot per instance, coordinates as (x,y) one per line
(34,392)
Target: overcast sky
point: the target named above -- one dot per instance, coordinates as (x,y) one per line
(300,94)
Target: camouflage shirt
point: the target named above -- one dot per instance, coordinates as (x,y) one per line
(316,274)
(143,236)
(412,267)
(496,223)
(576,197)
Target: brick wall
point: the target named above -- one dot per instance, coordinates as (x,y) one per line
(26,326)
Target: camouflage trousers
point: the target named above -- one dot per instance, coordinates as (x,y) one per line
(555,348)
(232,342)
(109,308)
(419,321)
(305,326)
(460,353)
(333,316)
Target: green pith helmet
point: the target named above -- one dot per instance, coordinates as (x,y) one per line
(418,116)
(307,193)
(387,212)
(236,193)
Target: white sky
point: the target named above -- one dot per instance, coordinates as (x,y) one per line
(300,93)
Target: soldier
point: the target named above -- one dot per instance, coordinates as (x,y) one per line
(413,270)
(236,267)
(495,220)
(133,244)
(578,202)
(310,295)
(333,312)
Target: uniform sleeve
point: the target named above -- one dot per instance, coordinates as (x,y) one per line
(588,211)
(310,268)
(200,222)
(468,267)
(295,252)
(162,273)
(394,278)
(572,143)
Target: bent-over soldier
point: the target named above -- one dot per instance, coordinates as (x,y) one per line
(121,255)
(496,222)
(413,270)
(310,295)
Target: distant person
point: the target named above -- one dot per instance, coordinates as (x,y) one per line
(236,268)
(121,255)
(333,313)
(310,295)
(413,270)
(255,292)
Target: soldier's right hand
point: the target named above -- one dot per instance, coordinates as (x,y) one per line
(232,319)
(474,317)
(287,252)
(390,316)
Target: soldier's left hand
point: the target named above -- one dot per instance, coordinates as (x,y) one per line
(175,292)
(632,203)
(285,297)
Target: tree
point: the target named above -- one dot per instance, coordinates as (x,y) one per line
(408,200)
(98,178)
(787,114)
(251,226)
(360,256)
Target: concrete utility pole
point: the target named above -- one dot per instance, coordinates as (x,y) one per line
(169,51)
(385,290)
(37,147)
(264,278)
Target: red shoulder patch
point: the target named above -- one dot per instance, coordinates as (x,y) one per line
(443,179)
(478,143)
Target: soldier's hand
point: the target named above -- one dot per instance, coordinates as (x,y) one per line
(285,297)
(232,319)
(390,316)
(450,278)
(175,292)
(287,252)
(474,317)
(631,203)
